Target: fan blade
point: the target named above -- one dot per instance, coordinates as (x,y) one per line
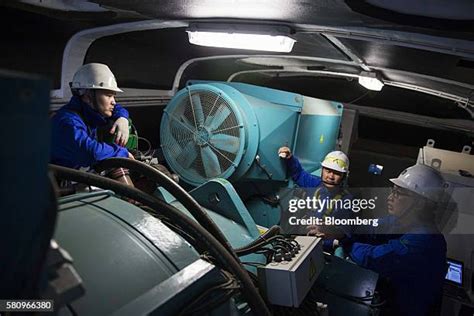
(208,120)
(181,127)
(211,164)
(169,140)
(198,112)
(187,155)
(186,124)
(225,142)
(221,114)
(171,145)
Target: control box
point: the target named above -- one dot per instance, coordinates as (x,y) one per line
(287,282)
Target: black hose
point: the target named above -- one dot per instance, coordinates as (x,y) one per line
(246,251)
(215,248)
(175,189)
(272,231)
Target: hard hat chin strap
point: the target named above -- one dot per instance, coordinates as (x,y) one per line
(326,182)
(95,104)
(92,95)
(411,213)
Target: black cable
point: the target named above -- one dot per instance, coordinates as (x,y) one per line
(213,302)
(295,243)
(246,251)
(216,249)
(265,250)
(192,308)
(254,278)
(270,233)
(359,97)
(360,300)
(283,249)
(172,187)
(147,142)
(284,242)
(255,264)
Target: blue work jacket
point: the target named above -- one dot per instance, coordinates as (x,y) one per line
(300,176)
(414,263)
(74,141)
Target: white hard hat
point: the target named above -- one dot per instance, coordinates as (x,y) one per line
(422,180)
(94,76)
(336,160)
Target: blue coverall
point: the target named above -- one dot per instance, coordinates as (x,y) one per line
(306,180)
(74,142)
(414,263)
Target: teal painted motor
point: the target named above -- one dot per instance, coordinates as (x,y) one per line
(131,263)
(214,130)
(233,131)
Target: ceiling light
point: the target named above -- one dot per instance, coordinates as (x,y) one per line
(264,38)
(370,81)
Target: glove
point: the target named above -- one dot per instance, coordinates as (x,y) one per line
(339,252)
(346,244)
(121,126)
(284,152)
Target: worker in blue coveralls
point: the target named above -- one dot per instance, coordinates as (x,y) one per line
(335,167)
(92,106)
(407,249)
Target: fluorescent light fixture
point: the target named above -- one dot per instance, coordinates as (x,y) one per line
(241,37)
(370,81)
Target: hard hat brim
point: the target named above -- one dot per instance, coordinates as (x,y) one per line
(106,88)
(324,165)
(399,183)
(403,185)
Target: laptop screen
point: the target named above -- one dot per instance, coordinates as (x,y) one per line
(454,272)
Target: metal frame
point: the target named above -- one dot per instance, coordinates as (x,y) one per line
(463,126)
(76,49)
(348,52)
(77,46)
(451,46)
(459,99)
(187,63)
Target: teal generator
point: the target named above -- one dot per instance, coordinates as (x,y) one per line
(233,131)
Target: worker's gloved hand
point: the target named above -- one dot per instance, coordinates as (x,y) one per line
(284,152)
(121,126)
(346,244)
(339,252)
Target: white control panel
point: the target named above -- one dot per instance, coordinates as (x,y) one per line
(287,282)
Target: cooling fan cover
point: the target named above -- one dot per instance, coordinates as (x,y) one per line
(203,134)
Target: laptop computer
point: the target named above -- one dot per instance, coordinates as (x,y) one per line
(454,284)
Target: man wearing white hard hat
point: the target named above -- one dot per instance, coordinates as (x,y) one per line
(335,167)
(407,249)
(92,106)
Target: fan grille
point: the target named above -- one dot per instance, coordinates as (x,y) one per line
(203,135)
